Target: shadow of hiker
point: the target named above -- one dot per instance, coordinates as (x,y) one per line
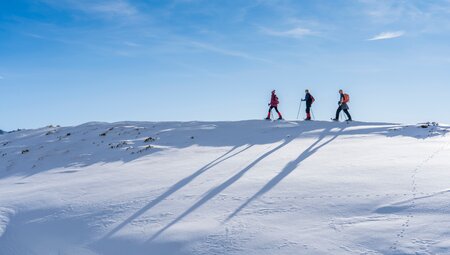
(217,190)
(211,193)
(269,135)
(289,168)
(177,186)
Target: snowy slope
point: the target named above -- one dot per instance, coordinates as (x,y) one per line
(248,187)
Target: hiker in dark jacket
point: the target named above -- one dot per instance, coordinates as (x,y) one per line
(343,106)
(309,99)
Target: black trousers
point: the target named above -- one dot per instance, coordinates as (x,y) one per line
(308,108)
(345,111)
(276,109)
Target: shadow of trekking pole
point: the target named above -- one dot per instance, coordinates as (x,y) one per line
(290,167)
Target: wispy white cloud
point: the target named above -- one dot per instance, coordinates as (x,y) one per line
(387,35)
(131,44)
(114,8)
(415,13)
(103,8)
(298,32)
(36,36)
(226,52)
(386,12)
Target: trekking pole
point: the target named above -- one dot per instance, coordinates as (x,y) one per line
(299,108)
(314,118)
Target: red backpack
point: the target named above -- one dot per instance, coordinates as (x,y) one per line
(346,98)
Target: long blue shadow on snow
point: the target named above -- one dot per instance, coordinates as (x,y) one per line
(289,168)
(217,190)
(326,126)
(404,205)
(177,186)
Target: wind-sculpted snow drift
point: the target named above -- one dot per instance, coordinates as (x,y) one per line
(247,187)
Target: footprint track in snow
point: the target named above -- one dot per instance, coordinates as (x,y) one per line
(414,194)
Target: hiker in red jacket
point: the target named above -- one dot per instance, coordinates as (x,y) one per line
(274,104)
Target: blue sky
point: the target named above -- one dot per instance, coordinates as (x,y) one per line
(71,61)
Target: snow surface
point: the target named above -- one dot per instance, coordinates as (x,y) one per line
(247,187)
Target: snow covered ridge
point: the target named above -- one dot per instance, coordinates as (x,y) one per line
(53,147)
(245,187)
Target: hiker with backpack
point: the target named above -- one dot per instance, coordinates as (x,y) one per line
(343,106)
(309,99)
(274,105)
